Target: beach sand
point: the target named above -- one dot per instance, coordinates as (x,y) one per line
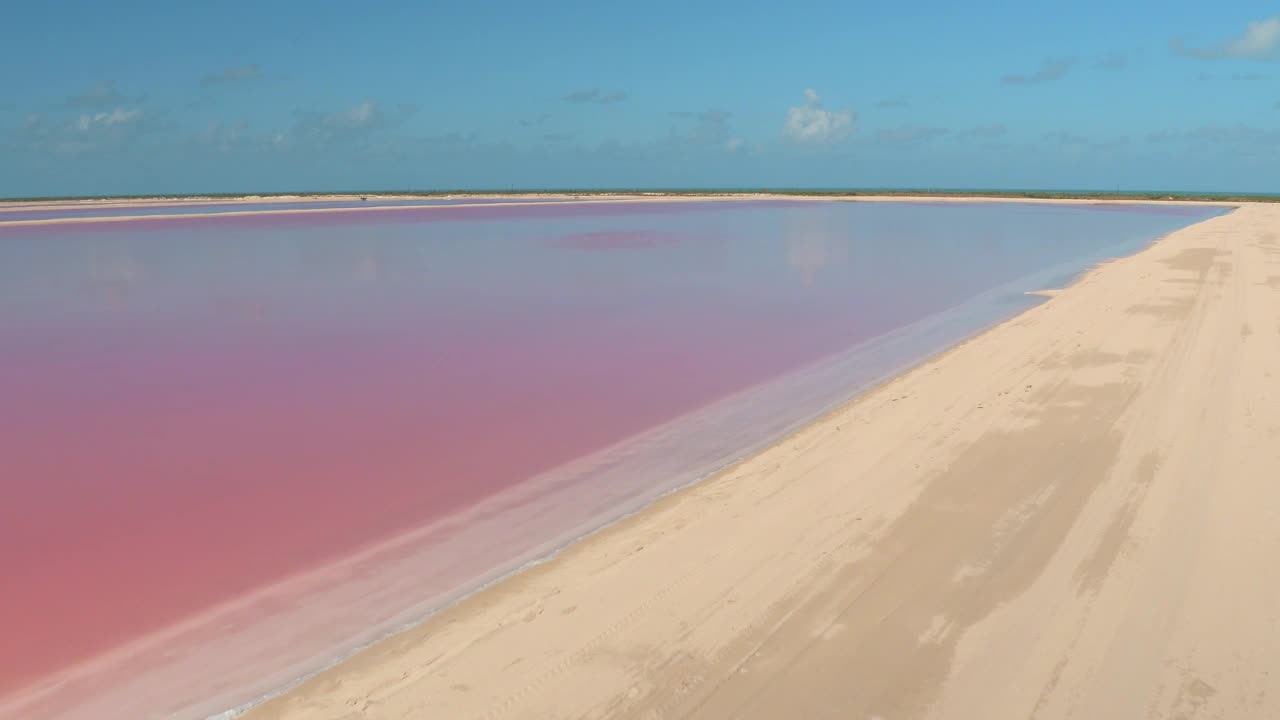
(1074,514)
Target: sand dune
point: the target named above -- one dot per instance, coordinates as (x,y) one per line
(1072,515)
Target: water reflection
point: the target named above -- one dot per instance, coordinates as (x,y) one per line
(359,259)
(113,276)
(815,240)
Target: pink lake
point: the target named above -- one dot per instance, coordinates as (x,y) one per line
(234,449)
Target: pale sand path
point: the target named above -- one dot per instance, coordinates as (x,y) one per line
(1076,514)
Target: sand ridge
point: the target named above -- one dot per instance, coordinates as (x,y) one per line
(505,201)
(1071,515)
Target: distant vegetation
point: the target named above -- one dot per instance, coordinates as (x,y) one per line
(711,192)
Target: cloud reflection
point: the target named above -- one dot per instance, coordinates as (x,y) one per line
(812,245)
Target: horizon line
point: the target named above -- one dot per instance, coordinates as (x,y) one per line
(1076,193)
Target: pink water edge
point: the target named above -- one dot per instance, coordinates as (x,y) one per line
(233,449)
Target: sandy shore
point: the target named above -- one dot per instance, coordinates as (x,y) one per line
(197,201)
(492,201)
(1072,515)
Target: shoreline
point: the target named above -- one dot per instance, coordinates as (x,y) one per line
(623,193)
(520,201)
(491,606)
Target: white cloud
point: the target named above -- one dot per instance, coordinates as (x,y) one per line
(348,123)
(1260,41)
(119,116)
(358,116)
(239,136)
(89,132)
(811,123)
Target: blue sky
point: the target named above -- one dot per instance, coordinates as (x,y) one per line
(150,97)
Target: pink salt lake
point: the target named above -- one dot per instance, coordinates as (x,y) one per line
(233,449)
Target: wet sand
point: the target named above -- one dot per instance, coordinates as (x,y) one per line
(1071,515)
